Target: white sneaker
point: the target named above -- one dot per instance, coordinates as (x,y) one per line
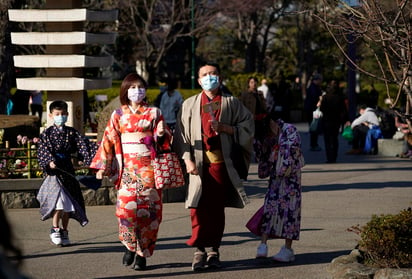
(285,255)
(55,236)
(65,238)
(262,251)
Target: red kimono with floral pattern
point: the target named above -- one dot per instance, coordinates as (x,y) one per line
(126,154)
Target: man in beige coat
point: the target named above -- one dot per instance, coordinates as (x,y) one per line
(209,126)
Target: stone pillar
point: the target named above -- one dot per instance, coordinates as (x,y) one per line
(74,99)
(64,39)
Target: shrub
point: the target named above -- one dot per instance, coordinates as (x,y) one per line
(386,240)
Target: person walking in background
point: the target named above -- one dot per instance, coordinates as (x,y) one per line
(208,126)
(87,119)
(366,120)
(279,154)
(282,98)
(60,195)
(313,94)
(264,88)
(334,115)
(20,99)
(170,103)
(162,90)
(254,101)
(128,146)
(36,104)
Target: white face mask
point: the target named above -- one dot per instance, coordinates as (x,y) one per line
(136,95)
(59,120)
(209,82)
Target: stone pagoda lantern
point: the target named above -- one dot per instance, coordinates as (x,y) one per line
(64,39)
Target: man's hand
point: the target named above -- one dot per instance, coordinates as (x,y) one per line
(191,167)
(220,127)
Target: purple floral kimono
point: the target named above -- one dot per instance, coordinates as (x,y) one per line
(282,162)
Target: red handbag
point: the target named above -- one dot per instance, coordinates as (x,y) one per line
(168,171)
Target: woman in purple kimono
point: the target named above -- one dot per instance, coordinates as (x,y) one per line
(278,151)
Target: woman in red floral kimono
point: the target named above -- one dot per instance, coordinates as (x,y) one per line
(125,155)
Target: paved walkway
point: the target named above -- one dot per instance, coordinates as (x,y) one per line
(335,197)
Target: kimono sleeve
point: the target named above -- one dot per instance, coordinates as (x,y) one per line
(290,158)
(163,142)
(44,153)
(183,131)
(85,148)
(105,156)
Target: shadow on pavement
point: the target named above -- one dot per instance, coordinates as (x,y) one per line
(366,185)
(245,264)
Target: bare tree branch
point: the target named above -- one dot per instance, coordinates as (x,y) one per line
(385,28)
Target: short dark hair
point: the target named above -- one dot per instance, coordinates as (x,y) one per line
(171,84)
(58,105)
(213,64)
(126,83)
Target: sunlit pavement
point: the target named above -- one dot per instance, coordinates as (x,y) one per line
(335,197)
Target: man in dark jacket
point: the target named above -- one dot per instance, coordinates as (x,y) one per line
(334,115)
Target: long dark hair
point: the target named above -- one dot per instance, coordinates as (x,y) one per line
(264,126)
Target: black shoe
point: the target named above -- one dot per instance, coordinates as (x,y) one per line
(128,257)
(140,263)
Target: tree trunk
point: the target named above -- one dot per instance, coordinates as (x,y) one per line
(250,57)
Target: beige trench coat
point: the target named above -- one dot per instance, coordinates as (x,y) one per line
(187,142)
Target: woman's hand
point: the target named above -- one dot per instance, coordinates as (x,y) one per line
(99,174)
(161,129)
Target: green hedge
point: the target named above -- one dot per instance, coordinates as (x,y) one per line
(386,240)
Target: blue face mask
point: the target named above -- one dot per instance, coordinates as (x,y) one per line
(209,82)
(136,95)
(59,120)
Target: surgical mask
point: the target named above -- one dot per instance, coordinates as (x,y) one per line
(209,82)
(59,120)
(136,95)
